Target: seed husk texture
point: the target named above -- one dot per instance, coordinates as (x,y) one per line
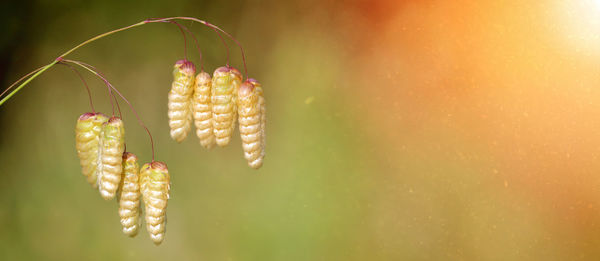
(155,187)
(180,95)
(129,195)
(112,145)
(249,112)
(87,140)
(225,84)
(202,107)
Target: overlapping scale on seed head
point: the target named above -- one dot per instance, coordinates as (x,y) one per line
(249,111)
(110,157)
(155,187)
(182,87)
(226,82)
(129,195)
(87,139)
(202,107)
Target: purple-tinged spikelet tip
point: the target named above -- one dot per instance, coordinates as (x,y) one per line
(186,66)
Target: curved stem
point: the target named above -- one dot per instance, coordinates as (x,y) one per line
(225,44)
(40,71)
(103,35)
(215,27)
(184,39)
(84,83)
(60,58)
(195,41)
(19,80)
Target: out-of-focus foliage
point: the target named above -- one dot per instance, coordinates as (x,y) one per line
(417,130)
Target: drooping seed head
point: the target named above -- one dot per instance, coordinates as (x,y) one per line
(155,187)
(87,138)
(224,90)
(202,110)
(129,195)
(112,146)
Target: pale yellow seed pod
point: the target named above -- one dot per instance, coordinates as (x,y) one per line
(250,124)
(180,96)
(263,113)
(225,84)
(202,107)
(155,187)
(87,140)
(129,195)
(112,145)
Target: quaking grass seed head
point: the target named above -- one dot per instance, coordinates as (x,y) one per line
(263,113)
(155,187)
(129,195)
(202,110)
(180,95)
(249,112)
(112,148)
(87,139)
(225,84)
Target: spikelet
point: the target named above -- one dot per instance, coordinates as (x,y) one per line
(129,195)
(225,83)
(87,138)
(202,108)
(155,187)
(250,123)
(263,114)
(180,96)
(112,145)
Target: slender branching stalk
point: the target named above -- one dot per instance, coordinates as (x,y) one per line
(84,83)
(34,74)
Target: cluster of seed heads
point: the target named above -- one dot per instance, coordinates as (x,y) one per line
(100,143)
(214,104)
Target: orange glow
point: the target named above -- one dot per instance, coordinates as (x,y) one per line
(579,23)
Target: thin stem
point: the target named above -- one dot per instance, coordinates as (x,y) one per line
(84,83)
(39,71)
(184,39)
(108,85)
(103,35)
(118,107)
(110,98)
(44,68)
(212,26)
(19,80)
(216,27)
(226,46)
(92,70)
(195,40)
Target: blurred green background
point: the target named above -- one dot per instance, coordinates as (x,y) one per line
(397,130)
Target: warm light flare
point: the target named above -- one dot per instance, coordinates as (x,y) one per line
(580,24)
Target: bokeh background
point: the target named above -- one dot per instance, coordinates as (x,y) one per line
(397,130)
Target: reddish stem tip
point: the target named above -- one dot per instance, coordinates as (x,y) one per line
(158,165)
(245,89)
(186,66)
(86,116)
